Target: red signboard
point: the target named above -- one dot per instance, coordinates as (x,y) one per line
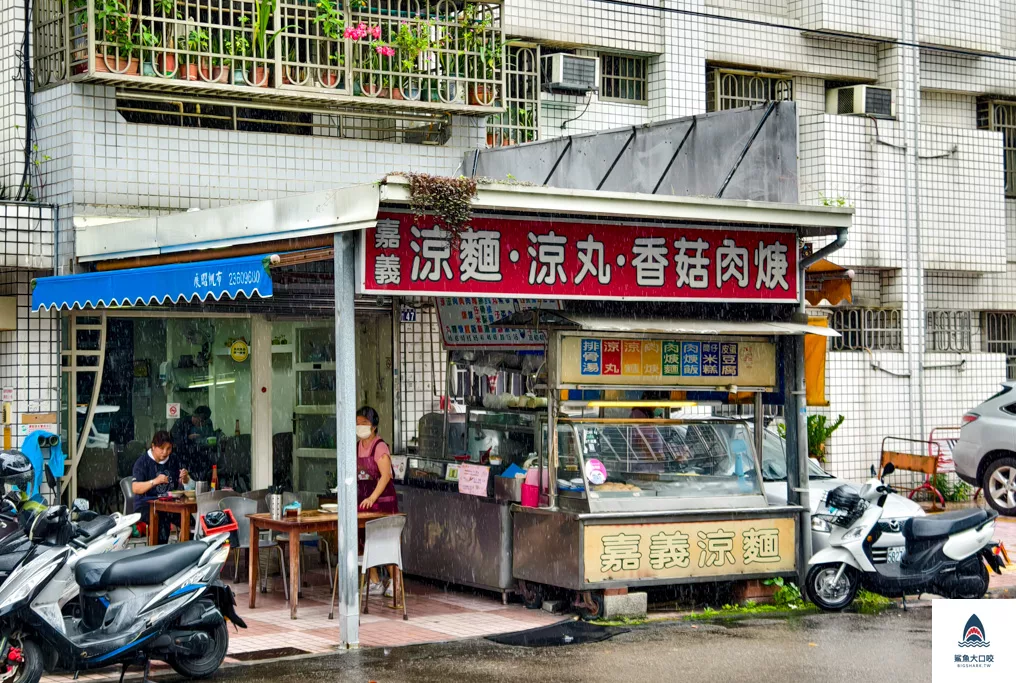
(553,259)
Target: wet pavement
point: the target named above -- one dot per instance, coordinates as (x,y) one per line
(827,647)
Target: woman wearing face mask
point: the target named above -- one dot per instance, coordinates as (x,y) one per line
(375,489)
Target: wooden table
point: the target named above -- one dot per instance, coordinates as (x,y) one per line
(184,507)
(307,523)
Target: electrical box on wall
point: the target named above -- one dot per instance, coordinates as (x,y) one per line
(8,313)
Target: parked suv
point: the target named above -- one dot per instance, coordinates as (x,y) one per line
(985,454)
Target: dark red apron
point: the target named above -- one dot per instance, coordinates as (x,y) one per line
(367,476)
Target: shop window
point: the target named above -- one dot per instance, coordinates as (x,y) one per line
(1000,116)
(520,121)
(731,89)
(624,78)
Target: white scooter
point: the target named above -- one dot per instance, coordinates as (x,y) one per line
(163,602)
(945,553)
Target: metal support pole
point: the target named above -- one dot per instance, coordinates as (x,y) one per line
(345,452)
(797,445)
(553,399)
(760,426)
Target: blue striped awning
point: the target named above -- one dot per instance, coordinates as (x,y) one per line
(245,276)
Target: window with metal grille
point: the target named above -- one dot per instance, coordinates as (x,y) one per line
(1000,337)
(730,88)
(1001,116)
(948,331)
(520,121)
(872,329)
(624,78)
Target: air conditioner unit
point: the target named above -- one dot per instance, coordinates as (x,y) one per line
(861,100)
(573,73)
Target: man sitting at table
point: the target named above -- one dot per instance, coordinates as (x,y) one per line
(156,473)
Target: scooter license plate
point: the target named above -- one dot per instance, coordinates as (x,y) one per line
(894,555)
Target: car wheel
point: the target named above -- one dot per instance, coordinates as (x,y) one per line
(999,484)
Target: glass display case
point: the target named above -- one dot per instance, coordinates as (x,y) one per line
(493,438)
(615,465)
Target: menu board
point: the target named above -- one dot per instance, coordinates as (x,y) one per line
(470,322)
(667,362)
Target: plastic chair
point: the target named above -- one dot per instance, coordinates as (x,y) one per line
(128,495)
(261,496)
(241,507)
(382,547)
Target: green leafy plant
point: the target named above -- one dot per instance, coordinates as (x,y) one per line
(479,40)
(839,201)
(819,431)
(330,18)
(113,26)
(238,47)
(787,593)
(953,493)
(197,40)
(411,41)
(448,200)
(262,38)
(166,7)
(867,602)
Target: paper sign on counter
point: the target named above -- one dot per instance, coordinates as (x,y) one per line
(473,480)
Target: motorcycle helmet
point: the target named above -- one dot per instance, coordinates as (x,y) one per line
(15,470)
(216,518)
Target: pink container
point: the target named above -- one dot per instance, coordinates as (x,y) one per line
(530,496)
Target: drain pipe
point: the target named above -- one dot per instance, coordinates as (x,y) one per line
(800,404)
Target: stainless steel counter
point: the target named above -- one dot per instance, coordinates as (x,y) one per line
(458,538)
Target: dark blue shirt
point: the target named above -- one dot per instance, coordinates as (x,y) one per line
(146,469)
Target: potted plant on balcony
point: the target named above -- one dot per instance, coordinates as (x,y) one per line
(239,48)
(262,41)
(215,68)
(483,52)
(165,62)
(115,50)
(369,53)
(196,41)
(331,21)
(411,42)
(145,41)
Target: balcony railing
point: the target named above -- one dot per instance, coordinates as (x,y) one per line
(422,54)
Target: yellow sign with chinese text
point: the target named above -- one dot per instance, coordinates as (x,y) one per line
(239,351)
(680,550)
(668,362)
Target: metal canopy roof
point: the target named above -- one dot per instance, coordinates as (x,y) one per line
(356,208)
(547,319)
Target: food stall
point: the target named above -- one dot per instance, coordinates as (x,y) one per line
(589,317)
(637,497)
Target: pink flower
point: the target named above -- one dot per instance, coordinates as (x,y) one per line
(385,51)
(376,32)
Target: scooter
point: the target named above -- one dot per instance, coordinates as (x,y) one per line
(947,554)
(163,602)
(100,533)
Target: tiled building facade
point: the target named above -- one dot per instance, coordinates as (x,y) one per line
(933,245)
